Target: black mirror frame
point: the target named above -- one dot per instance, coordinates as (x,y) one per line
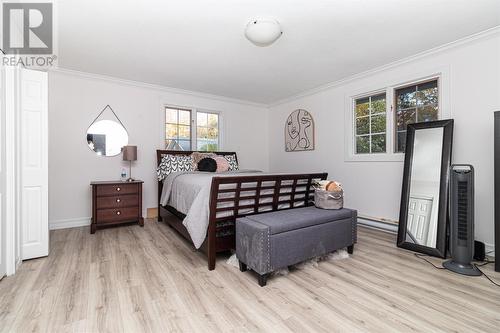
(443,217)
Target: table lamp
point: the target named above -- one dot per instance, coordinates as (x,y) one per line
(130,154)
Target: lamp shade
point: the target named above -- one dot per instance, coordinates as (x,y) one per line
(130,153)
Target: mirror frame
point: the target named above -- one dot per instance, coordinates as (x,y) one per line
(443,217)
(117,122)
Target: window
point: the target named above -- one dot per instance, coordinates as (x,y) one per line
(207,129)
(415,103)
(370,124)
(376,122)
(180,134)
(178,129)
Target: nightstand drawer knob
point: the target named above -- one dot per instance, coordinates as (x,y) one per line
(118,189)
(118,200)
(118,213)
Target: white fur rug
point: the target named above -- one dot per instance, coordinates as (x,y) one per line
(312,263)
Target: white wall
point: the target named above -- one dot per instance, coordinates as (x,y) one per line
(76,99)
(374,188)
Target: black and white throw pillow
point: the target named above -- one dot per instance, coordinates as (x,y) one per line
(233,163)
(173,163)
(207,164)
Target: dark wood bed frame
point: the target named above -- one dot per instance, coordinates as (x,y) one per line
(279,189)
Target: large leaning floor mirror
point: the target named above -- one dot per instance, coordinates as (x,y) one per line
(424,199)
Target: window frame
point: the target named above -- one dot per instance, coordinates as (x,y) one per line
(195,128)
(394,108)
(194,124)
(350,155)
(165,123)
(354,118)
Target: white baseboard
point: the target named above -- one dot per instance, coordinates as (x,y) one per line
(69,223)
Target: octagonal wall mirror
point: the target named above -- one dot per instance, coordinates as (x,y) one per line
(107,137)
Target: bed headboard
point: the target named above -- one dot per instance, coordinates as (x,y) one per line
(160,153)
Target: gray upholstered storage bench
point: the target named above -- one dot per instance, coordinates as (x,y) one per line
(274,240)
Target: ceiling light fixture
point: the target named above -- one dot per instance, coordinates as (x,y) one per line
(263,32)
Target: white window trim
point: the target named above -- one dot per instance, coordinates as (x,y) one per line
(193,111)
(389,88)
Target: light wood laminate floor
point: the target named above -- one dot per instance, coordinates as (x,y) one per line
(148,279)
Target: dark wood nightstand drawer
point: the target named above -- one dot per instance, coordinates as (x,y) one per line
(104,190)
(117,201)
(117,214)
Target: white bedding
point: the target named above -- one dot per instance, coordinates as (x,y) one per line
(189,193)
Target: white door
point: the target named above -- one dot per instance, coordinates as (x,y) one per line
(34,166)
(419,213)
(3,238)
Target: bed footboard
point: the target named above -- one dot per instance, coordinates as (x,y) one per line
(233,197)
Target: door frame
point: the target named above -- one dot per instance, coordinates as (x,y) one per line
(10,104)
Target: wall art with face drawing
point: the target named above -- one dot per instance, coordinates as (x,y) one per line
(299,131)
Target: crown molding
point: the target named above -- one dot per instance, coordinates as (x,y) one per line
(466,40)
(160,88)
(459,42)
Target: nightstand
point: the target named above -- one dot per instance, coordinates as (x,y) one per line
(116,202)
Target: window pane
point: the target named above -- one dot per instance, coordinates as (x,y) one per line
(184,132)
(378,124)
(172,145)
(405,117)
(363,125)
(427,93)
(406,97)
(213,120)
(378,104)
(171,131)
(212,133)
(363,144)
(184,117)
(202,133)
(362,107)
(207,145)
(371,118)
(378,143)
(418,103)
(171,116)
(177,129)
(185,144)
(201,119)
(207,131)
(427,113)
(427,85)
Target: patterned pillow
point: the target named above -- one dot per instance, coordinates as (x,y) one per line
(173,163)
(222,164)
(207,164)
(197,157)
(233,163)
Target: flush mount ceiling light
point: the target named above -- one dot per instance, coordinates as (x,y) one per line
(263,32)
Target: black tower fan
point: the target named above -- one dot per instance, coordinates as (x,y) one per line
(462,220)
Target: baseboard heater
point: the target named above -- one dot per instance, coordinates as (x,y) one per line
(377,223)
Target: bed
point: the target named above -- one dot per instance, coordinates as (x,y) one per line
(223,197)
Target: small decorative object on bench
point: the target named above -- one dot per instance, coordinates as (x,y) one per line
(270,241)
(328,195)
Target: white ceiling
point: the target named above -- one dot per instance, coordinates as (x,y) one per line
(200,45)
